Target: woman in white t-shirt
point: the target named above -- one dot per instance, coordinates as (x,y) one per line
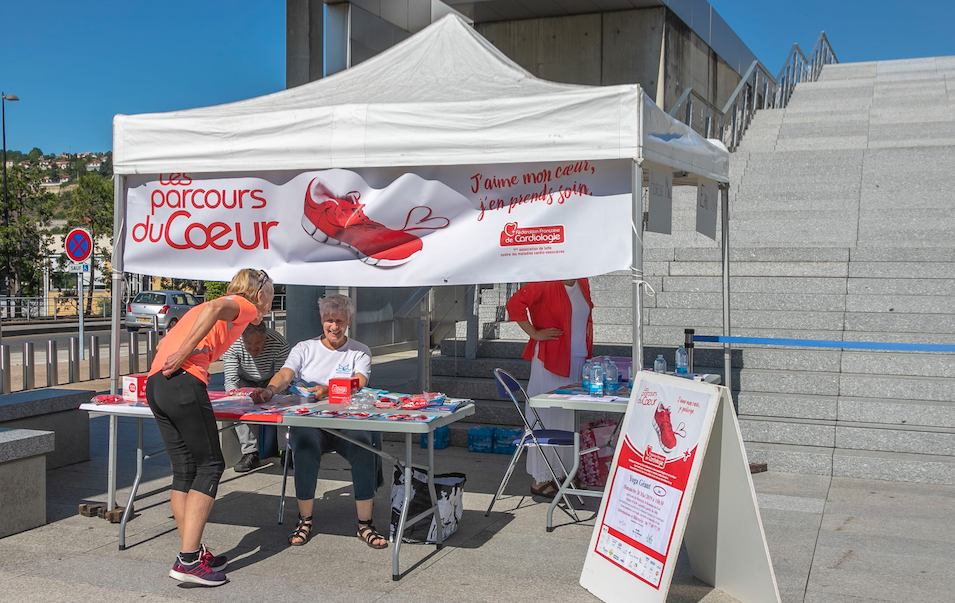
(319,360)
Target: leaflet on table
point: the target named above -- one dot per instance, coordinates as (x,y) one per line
(347,414)
(564,395)
(239,407)
(649,481)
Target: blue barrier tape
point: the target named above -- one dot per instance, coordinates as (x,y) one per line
(817,343)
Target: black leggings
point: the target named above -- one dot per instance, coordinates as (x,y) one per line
(188,429)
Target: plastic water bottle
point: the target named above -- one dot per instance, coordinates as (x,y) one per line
(660,364)
(596,380)
(682,361)
(611,378)
(585,381)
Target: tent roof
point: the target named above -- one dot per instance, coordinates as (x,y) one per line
(444,96)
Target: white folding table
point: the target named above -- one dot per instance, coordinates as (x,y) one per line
(577,403)
(331,424)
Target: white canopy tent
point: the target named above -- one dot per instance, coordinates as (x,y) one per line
(443,97)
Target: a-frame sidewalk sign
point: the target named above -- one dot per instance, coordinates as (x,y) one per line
(679,474)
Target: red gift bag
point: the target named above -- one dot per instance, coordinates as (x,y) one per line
(595,466)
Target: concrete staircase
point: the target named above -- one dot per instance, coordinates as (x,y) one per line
(842,229)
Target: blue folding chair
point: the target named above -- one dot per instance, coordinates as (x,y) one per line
(508,387)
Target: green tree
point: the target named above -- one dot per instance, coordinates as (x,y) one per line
(215,289)
(22,240)
(35,155)
(106,165)
(91,208)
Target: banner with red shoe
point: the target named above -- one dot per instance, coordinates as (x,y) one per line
(446,225)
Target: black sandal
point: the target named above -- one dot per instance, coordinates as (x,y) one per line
(368,533)
(303,531)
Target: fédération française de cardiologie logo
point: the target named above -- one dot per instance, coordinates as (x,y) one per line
(513,235)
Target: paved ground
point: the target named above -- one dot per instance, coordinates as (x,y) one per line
(832,540)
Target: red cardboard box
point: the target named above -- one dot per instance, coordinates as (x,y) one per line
(134,388)
(340,389)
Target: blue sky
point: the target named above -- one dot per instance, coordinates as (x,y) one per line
(76,64)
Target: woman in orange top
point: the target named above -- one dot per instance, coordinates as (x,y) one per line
(176,393)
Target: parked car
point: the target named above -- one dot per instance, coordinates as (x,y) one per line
(169,306)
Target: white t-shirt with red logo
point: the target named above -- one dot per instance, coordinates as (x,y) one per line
(312,361)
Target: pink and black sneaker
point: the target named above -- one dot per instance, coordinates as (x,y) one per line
(216,563)
(197,573)
(663,427)
(340,221)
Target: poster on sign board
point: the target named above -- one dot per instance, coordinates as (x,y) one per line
(680,464)
(385,227)
(643,513)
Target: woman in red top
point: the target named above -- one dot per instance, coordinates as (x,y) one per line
(557,317)
(176,393)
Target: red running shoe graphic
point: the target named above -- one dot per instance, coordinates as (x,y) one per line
(663,427)
(340,221)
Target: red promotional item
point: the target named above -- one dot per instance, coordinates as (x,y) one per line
(595,466)
(134,388)
(340,389)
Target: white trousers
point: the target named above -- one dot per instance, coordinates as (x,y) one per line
(543,381)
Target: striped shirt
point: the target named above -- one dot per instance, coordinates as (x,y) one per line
(239,364)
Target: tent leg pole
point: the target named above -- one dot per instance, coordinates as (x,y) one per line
(116,264)
(727,352)
(636,191)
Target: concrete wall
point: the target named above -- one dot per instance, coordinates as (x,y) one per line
(622,47)
(690,62)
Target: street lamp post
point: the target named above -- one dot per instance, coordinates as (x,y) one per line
(6,212)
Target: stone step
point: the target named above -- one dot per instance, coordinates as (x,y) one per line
(902,387)
(863,464)
(479,367)
(789,285)
(453,350)
(914,364)
(788,382)
(474,388)
(849,435)
(881,411)
(810,460)
(894,466)
(897,412)
(787,406)
(486,348)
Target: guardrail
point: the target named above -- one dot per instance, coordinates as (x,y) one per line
(46,308)
(757,89)
(727,341)
(77,369)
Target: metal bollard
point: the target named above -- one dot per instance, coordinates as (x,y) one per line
(74,360)
(152,338)
(133,352)
(94,357)
(29,367)
(52,364)
(688,345)
(5,368)
(156,323)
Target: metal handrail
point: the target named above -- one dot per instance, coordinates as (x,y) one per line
(757,89)
(797,68)
(707,114)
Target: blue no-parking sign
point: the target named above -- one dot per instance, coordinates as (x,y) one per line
(79,245)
